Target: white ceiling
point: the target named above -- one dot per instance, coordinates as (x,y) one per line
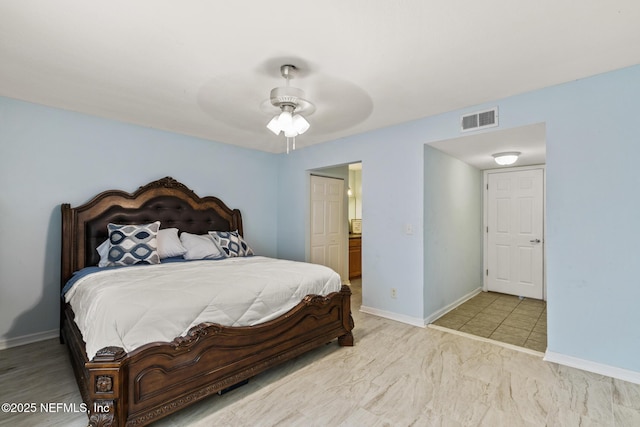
(204,68)
(477,149)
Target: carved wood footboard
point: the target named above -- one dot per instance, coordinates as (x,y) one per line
(158,379)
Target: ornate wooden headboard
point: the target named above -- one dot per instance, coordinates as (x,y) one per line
(165,200)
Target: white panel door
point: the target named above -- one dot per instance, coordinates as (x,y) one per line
(327,222)
(515,224)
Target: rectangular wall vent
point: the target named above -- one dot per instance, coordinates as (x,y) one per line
(479,120)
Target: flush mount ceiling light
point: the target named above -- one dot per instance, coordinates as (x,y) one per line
(292,103)
(506,158)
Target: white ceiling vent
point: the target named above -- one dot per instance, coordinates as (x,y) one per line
(479,120)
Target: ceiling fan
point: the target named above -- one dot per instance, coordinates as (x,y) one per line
(292,104)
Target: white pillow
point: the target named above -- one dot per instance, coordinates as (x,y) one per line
(199,247)
(103,251)
(169,245)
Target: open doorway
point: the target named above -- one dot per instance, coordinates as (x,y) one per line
(351,175)
(456,230)
(354,193)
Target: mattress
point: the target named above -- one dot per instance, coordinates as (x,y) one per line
(132,306)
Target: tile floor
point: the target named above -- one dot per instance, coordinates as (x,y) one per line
(500,317)
(395,375)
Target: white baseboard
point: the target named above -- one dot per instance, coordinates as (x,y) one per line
(414,321)
(28,339)
(598,368)
(448,308)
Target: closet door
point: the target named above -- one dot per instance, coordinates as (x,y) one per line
(327,222)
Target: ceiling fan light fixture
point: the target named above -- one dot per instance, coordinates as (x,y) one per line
(300,124)
(291,102)
(285,120)
(274,125)
(506,158)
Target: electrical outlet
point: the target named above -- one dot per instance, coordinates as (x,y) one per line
(394,293)
(408,229)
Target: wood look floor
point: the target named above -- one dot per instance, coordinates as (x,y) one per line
(395,375)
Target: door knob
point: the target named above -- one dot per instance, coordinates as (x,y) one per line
(534,241)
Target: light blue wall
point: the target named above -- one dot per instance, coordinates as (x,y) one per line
(593,277)
(593,199)
(390,258)
(50,156)
(452,230)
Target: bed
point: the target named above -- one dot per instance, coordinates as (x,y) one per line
(138,386)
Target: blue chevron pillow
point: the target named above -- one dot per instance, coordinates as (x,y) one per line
(133,244)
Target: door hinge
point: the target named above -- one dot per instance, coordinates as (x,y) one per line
(487,271)
(487,229)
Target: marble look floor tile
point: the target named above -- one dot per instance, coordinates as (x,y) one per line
(564,417)
(625,416)
(394,375)
(496,417)
(626,394)
(585,394)
(529,398)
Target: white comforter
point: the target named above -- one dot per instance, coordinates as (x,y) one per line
(133,306)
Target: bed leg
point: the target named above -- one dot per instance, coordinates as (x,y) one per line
(102,414)
(346,340)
